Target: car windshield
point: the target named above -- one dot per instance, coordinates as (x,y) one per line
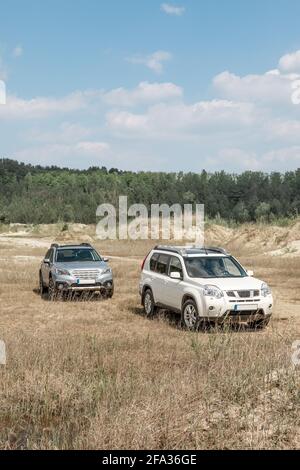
(210,267)
(72,255)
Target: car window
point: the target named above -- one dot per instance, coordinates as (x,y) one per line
(210,267)
(72,255)
(162,264)
(231,268)
(175,266)
(153,261)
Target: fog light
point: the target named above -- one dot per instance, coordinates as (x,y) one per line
(60,286)
(211,308)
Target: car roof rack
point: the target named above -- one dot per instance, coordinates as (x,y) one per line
(189,250)
(172,249)
(56,245)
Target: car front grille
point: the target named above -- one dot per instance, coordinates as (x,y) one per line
(243,294)
(86,274)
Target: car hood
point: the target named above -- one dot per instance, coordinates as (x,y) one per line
(82,265)
(241,283)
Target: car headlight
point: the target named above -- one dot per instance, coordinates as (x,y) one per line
(106,271)
(62,272)
(265,290)
(213,291)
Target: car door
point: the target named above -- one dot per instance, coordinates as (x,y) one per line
(173,287)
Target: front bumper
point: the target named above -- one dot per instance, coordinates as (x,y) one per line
(241,310)
(69,283)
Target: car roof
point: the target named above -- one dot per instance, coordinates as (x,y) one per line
(80,245)
(192,251)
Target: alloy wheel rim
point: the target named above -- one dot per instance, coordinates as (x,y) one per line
(190,316)
(148,303)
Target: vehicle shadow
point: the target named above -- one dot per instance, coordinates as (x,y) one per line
(174,320)
(71,297)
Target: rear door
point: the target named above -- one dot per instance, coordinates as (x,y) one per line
(160,278)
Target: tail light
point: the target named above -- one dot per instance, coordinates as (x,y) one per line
(144,261)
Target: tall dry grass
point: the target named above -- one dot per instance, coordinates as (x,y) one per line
(90,375)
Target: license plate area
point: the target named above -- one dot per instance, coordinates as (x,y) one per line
(244,307)
(84,282)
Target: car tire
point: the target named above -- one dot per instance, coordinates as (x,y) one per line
(52,291)
(149,304)
(189,315)
(42,287)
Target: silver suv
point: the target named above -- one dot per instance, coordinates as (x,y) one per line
(204,285)
(75,268)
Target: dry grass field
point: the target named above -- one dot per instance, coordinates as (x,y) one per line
(98,374)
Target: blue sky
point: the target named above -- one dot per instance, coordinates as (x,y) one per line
(151,85)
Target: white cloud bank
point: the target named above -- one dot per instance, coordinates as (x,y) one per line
(251,123)
(144,93)
(290,62)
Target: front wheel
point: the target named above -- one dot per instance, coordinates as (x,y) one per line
(52,291)
(148,303)
(190,316)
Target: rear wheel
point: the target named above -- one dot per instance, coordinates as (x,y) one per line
(190,316)
(148,303)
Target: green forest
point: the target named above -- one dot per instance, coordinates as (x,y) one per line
(36,194)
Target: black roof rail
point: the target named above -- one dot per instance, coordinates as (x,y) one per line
(216,249)
(170,249)
(187,250)
(86,244)
(54,245)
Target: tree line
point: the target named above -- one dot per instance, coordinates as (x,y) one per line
(36,194)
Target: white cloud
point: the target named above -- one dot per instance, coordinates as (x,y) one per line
(172,9)
(144,93)
(271,87)
(41,107)
(290,62)
(179,120)
(153,61)
(18,51)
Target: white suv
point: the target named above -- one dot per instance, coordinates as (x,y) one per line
(204,285)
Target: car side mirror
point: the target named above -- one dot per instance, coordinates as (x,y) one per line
(106,260)
(175,275)
(250,273)
(47,261)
